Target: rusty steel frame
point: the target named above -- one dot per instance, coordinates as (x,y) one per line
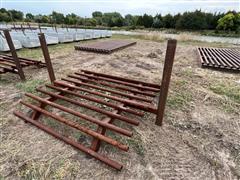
(105,47)
(116,94)
(219,58)
(14,63)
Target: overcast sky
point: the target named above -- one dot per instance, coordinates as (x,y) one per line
(137,7)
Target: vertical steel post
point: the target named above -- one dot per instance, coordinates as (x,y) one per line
(14,54)
(167,70)
(39,27)
(47,57)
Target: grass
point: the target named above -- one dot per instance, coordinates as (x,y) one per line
(220,33)
(36,53)
(134,143)
(179,100)
(228,90)
(180,96)
(151,37)
(30,85)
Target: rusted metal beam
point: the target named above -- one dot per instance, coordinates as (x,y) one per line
(167,71)
(100,101)
(73,143)
(76,126)
(113,86)
(135,97)
(131,103)
(108,113)
(47,57)
(23,61)
(14,54)
(83,116)
(122,79)
(139,86)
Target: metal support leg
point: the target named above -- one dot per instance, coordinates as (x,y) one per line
(167,70)
(14,54)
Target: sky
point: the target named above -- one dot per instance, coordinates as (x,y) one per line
(135,7)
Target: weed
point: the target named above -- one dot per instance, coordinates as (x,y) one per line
(180,97)
(187,72)
(152,37)
(230,91)
(136,144)
(36,53)
(179,100)
(30,85)
(31,171)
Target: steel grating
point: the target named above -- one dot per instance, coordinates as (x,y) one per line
(81,95)
(7,63)
(105,46)
(220,58)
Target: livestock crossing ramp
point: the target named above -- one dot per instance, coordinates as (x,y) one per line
(106,47)
(114,98)
(219,58)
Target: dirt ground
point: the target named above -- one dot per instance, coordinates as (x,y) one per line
(200,138)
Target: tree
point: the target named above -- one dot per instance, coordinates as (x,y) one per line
(90,22)
(192,20)
(237,23)
(16,15)
(158,21)
(29,17)
(57,17)
(226,22)
(140,21)
(71,19)
(4,15)
(41,18)
(129,20)
(147,20)
(97,14)
(168,21)
(112,19)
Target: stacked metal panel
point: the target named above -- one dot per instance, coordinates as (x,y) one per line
(105,46)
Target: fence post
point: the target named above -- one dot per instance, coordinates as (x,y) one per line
(47,57)
(166,77)
(14,54)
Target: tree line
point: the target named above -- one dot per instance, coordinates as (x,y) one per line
(196,20)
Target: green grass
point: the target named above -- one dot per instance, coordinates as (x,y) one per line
(30,85)
(179,100)
(36,53)
(180,96)
(230,91)
(136,144)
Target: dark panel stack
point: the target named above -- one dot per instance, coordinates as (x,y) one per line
(105,47)
(228,59)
